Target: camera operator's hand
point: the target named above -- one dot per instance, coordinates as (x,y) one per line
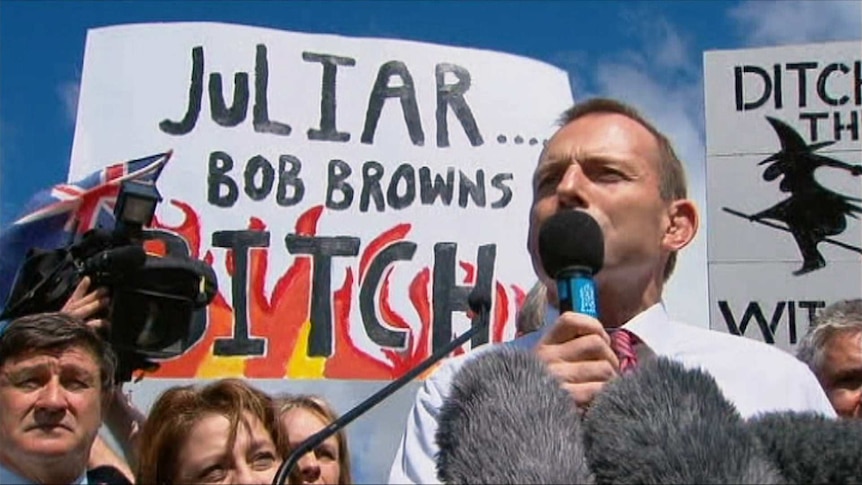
(86,304)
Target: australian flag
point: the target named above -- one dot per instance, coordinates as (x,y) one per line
(54,217)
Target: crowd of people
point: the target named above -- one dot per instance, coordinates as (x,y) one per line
(57,389)
(605,159)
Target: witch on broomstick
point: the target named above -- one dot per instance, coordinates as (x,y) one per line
(812,213)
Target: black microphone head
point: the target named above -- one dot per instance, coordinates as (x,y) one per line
(479,301)
(507,420)
(571,239)
(662,423)
(810,448)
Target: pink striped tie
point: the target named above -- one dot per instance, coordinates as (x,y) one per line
(623,342)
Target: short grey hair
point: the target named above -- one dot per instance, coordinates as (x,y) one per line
(531,315)
(844,316)
(57,331)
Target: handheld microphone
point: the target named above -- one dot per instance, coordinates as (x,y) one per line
(572,250)
(479,303)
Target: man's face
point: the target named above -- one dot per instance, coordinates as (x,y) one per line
(841,373)
(51,405)
(605,164)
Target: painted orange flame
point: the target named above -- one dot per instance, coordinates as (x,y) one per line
(282,317)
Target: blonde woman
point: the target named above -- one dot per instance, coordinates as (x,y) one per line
(302,416)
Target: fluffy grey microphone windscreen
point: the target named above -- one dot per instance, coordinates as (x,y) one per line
(664,424)
(508,421)
(810,448)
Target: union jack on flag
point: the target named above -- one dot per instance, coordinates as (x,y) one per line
(54,217)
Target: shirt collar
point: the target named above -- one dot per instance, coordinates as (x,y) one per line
(647,324)
(650,325)
(9,477)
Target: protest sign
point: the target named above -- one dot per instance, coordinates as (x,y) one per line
(783,186)
(348,192)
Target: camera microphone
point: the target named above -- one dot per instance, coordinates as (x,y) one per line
(479,301)
(115,261)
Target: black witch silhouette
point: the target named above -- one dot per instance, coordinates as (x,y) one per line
(812,212)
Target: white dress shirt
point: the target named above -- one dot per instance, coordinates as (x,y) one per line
(754,376)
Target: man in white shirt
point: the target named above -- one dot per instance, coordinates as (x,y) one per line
(609,162)
(55,377)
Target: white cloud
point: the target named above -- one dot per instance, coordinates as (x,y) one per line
(781,22)
(662,45)
(69,92)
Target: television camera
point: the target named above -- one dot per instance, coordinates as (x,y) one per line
(152,298)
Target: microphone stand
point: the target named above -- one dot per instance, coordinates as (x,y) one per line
(481,305)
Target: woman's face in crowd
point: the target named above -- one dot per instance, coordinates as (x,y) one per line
(322,465)
(206,456)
